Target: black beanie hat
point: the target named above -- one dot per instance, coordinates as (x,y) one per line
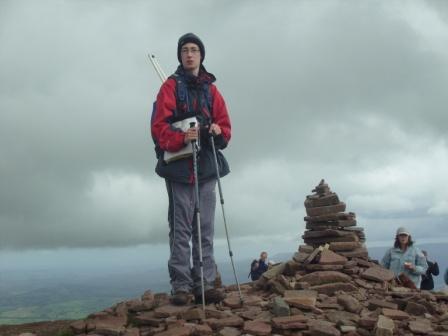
(190,38)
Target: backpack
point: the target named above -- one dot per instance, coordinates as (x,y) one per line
(183,103)
(252,271)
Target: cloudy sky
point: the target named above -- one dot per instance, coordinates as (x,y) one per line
(350,91)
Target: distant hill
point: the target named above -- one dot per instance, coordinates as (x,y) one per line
(41,296)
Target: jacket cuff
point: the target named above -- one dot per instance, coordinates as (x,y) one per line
(220,142)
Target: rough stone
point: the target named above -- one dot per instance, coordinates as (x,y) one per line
(193,314)
(280,307)
(344,246)
(421,326)
(324,277)
(323,328)
(331,288)
(384,327)
(229,331)
(379,274)
(313,201)
(349,303)
(132,332)
(108,325)
(233,321)
(257,328)
(170,310)
(415,309)
(177,331)
(146,319)
(328,257)
(338,316)
(302,299)
(395,314)
(325,210)
(290,322)
(318,267)
(375,303)
(274,271)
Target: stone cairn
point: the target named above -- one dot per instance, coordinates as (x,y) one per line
(327,223)
(330,287)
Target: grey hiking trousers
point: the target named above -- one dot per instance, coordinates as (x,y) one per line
(183,228)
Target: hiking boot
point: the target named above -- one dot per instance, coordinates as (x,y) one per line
(211,296)
(180,298)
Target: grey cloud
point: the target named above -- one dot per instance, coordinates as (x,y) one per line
(340,90)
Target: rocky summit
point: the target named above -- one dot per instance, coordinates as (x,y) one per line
(330,287)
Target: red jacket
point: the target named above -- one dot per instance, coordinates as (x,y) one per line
(172,140)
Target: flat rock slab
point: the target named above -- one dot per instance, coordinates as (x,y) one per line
(384,327)
(229,331)
(349,303)
(318,267)
(328,257)
(357,253)
(323,328)
(313,201)
(193,314)
(331,288)
(280,307)
(146,319)
(420,327)
(302,299)
(326,233)
(344,246)
(234,321)
(376,303)
(330,217)
(351,237)
(324,277)
(395,314)
(258,328)
(416,309)
(108,325)
(176,331)
(170,310)
(325,210)
(274,271)
(290,322)
(378,274)
(338,316)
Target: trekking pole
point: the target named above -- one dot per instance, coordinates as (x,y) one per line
(212,140)
(198,213)
(157,67)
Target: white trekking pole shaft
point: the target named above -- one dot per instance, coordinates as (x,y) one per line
(218,178)
(198,214)
(157,67)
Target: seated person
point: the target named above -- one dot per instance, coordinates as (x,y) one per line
(258,267)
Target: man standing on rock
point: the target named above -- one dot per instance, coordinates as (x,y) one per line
(190,92)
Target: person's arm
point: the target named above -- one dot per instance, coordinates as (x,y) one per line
(221,119)
(168,138)
(420,263)
(385,262)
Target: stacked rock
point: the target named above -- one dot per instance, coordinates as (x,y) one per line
(328,223)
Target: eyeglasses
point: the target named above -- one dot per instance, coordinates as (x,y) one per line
(192,50)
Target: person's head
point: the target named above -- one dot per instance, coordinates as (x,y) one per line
(403,238)
(190,52)
(263,255)
(425,253)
